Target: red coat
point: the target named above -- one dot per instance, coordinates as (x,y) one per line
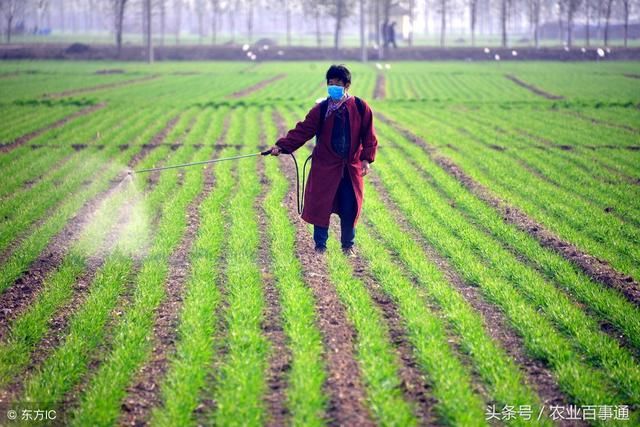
(327,165)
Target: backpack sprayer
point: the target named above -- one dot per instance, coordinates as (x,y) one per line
(299,194)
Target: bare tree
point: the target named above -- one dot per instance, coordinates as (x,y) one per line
(62,15)
(287,13)
(561,4)
(148,32)
(233,5)
(249,6)
(215,11)
(42,10)
(473,15)
(315,9)
(426,17)
(412,7)
(119,7)
(340,15)
(607,17)
(504,5)
(599,11)
(572,7)
(587,4)
(163,19)
(625,9)
(443,21)
(177,8)
(339,10)
(201,8)
(363,41)
(11,9)
(534,14)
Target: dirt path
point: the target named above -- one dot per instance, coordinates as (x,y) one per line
(536,373)
(145,391)
(25,289)
(380,91)
(344,385)
(532,88)
(99,87)
(31,135)
(599,270)
(256,87)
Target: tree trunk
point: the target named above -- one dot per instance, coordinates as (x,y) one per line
(472,13)
(178,11)
(9,25)
(318,34)
(503,21)
(588,16)
(606,22)
(426,17)
(625,3)
(363,41)
(143,31)
(250,21)
(411,7)
(214,21)
(569,24)
(119,23)
(378,38)
(560,26)
(201,22)
(443,21)
(232,25)
(148,32)
(163,18)
(62,14)
(536,23)
(336,36)
(288,23)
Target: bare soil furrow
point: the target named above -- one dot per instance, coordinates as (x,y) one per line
(536,373)
(280,356)
(99,87)
(598,269)
(16,298)
(347,402)
(144,393)
(256,87)
(532,88)
(414,384)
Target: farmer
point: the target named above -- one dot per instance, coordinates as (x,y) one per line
(345,147)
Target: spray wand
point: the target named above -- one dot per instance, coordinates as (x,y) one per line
(299,195)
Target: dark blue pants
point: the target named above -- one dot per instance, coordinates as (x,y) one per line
(347,209)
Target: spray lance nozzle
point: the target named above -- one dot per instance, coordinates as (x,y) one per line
(299,198)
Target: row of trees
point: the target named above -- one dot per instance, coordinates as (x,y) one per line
(368,14)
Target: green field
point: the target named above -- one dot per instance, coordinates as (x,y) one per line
(498,255)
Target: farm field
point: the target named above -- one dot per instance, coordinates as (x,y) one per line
(496,279)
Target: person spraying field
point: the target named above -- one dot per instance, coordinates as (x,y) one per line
(346,145)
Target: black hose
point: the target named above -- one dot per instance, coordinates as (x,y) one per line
(299,195)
